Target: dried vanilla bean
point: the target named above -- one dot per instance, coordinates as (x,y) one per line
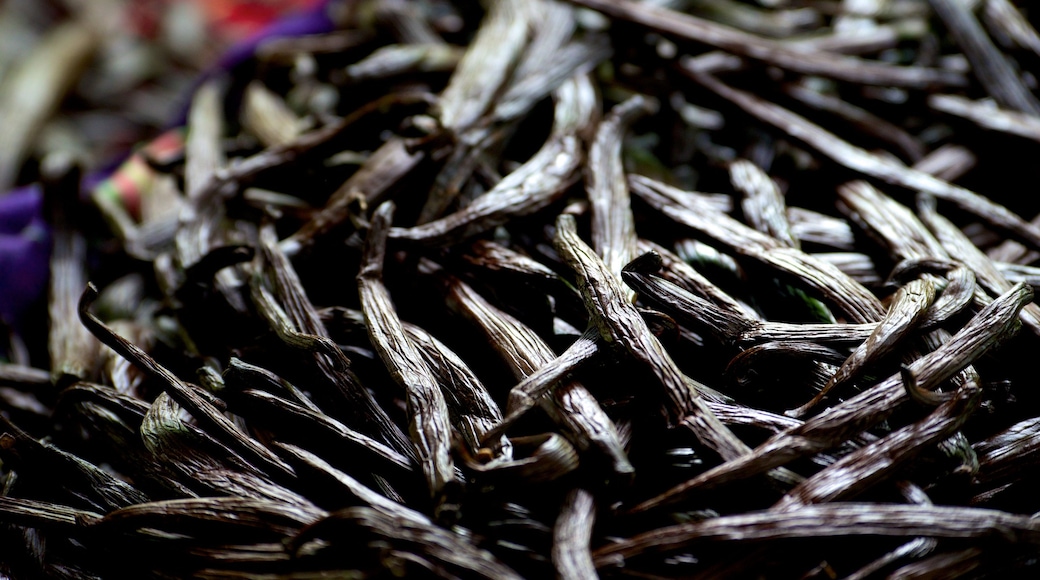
(301,328)
(35,87)
(882,168)
(192,398)
(987,329)
(429,423)
(84,482)
(202,463)
(763,202)
(678,272)
(702,31)
(960,247)
(473,410)
(74,353)
(813,227)
(498,258)
(481,74)
(386,166)
(378,532)
(403,59)
(271,411)
(613,225)
(534,185)
(1010,453)
(833,520)
(857,302)
(988,64)
(908,307)
(988,116)
(353,486)
(862,119)
(528,392)
(212,515)
(23,377)
(859,470)
(267,116)
(571,405)
(39,514)
(619,323)
(571,536)
(723,324)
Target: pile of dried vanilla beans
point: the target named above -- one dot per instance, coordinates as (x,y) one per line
(671,288)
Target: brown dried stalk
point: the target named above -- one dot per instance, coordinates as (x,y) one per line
(835,425)
(859,470)
(613,225)
(572,535)
(989,65)
(908,307)
(532,186)
(853,299)
(867,163)
(571,405)
(429,423)
(834,520)
(431,548)
(693,29)
(763,202)
(196,401)
(201,462)
(620,323)
(74,352)
(988,116)
(362,409)
(962,249)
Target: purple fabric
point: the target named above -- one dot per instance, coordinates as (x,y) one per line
(25,248)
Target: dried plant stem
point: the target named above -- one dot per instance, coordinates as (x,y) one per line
(990,66)
(613,225)
(571,537)
(862,161)
(619,323)
(840,519)
(859,470)
(702,31)
(835,425)
(429,422)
